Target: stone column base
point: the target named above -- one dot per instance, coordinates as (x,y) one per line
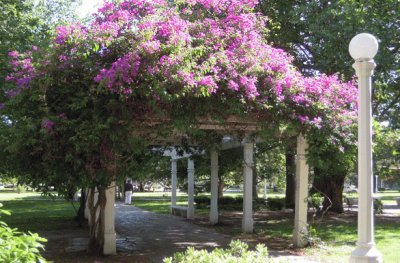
(110,244)
(365,254)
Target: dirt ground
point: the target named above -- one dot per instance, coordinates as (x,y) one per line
(143,236)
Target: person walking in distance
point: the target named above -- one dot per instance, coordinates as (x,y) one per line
(128,192)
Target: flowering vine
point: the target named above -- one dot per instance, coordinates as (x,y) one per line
(165,50)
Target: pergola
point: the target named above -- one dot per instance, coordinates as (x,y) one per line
(230,126)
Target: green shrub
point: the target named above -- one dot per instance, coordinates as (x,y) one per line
(275,204)
(378,206)
(231,203)
(16,246)
(202,201)
(238,252)
(316,200)
(228,202)
(259,203)
(20,189)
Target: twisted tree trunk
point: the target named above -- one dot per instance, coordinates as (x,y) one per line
(96,220)
(80,215)
(332,187)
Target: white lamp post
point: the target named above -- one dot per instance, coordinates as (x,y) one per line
(363,47)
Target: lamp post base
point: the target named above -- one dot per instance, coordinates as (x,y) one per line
(365,254)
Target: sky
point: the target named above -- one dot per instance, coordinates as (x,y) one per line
(88,7)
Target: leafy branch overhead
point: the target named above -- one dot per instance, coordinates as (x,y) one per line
(157,54)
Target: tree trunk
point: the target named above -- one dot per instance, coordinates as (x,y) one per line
(332,188)
(141,187)
(220,187)
(96,221)
(290,177)
(80,215)
(255,193)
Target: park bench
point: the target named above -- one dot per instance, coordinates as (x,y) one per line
(351,201)
(398,201)
(177,210)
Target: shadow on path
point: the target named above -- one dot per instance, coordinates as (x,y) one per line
(156,236)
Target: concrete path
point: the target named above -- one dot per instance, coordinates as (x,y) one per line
(155,236)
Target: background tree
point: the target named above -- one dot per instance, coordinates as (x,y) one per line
(317,33)
(28,26)
(290,165)
(29,23)
(387,153)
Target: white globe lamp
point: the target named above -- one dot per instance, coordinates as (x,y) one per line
(363,46)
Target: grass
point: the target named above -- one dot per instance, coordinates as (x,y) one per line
(160,202)
(385,195)
(339,241)
(338,237)
(7,195)
(33,212)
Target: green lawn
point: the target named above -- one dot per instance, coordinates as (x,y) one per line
(33,212)
(338,238)
(339,242)
(7,195)
(387,197)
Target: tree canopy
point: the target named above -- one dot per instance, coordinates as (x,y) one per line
(317,33)
(27,23)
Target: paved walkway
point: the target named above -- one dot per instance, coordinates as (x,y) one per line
(156,236)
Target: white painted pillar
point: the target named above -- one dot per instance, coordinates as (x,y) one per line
(174,171)
(247,221)
(366,250)
(110,246)
(214,188)
(301,207)
(190,209)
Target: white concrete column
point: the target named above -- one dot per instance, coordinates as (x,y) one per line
(247,221)
(110,246)
(366,250)
(190,209)
(301,207)
(174,171)
(214,188)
